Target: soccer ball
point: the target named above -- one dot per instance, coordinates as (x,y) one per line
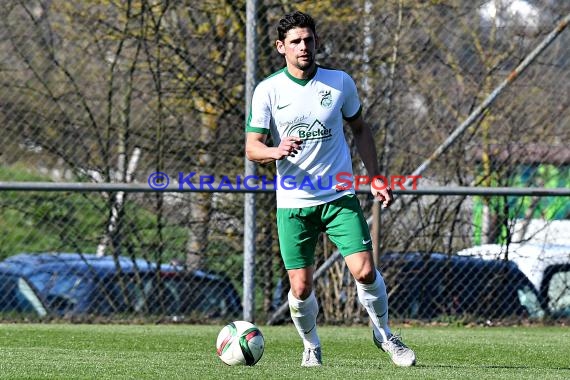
(240,343)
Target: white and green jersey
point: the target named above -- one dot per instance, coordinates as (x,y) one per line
(312,109)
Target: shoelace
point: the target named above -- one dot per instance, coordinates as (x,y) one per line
(399,345)
(313,353)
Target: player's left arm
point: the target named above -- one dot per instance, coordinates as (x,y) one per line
(364,142)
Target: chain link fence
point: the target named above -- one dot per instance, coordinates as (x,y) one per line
(105,93)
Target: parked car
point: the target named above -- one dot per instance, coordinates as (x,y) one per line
(197,292)
(72,284)
(18,297)
(427,286)
(432,286)
(546,265)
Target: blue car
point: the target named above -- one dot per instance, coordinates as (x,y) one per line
(433,286)
(427,286)
(73,284)
(19,298)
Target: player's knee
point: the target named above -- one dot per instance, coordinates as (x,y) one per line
(301,282)
(301,290)
(365,276)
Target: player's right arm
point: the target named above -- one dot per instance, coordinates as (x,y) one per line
(257,150)
(257,130)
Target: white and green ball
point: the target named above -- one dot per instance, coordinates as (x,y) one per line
(240,343)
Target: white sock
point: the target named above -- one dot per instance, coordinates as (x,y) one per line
(304,316)
(375,300)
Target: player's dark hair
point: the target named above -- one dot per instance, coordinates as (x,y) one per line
(294,20)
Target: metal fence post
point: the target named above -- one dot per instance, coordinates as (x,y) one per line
(250,169)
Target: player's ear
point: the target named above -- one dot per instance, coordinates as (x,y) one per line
(280,47)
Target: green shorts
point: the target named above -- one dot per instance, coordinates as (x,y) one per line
(299,228)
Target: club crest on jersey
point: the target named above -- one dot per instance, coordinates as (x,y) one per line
(326,98)
(315,131)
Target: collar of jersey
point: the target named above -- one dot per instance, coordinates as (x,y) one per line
(302,82)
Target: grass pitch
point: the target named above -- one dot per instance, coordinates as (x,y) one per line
(64,351)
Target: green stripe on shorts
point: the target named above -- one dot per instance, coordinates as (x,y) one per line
(299,229)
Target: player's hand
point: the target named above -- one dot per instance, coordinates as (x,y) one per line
(382,192)
(288,147)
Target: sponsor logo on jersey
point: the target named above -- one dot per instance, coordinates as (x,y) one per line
(315,131)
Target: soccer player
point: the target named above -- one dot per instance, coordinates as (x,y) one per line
(303,107)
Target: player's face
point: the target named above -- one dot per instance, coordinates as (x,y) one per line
(299,48)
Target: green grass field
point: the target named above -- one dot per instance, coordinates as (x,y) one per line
(64,351)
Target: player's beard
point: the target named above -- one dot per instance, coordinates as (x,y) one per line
(306,64)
